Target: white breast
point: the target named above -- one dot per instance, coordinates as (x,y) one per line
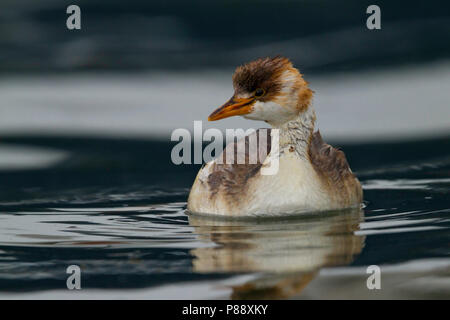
(295,188)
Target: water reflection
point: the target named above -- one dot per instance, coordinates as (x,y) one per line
(122,218)
(288,253)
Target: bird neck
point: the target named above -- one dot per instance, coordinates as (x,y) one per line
(295,135)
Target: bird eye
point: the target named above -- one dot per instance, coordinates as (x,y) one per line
(259,92)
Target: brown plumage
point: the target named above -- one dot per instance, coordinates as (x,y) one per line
(262,73)
(266,73)
(233,177)
(332,167)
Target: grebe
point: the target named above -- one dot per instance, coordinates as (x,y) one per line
(311,176)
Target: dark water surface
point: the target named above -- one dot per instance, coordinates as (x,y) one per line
(116,208)
(136,35)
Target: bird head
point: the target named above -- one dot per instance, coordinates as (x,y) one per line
(267,89)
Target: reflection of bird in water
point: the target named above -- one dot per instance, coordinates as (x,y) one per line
(311,175)
(288,252)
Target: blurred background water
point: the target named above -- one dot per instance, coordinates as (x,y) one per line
(85,169)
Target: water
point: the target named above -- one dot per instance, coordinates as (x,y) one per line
(116,207)
(141,35)
(85,170)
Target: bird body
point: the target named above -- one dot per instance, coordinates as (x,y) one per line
(311,175)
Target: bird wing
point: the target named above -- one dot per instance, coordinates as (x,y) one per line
(233,176)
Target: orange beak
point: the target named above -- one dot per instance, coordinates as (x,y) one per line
(233,107)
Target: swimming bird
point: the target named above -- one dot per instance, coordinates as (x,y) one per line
(311,175)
